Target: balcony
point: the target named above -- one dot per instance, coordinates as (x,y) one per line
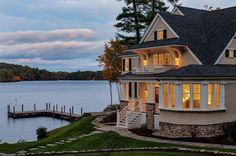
(150,69)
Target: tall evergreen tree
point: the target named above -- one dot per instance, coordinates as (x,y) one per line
(154,6)
(131,21)
(136,16)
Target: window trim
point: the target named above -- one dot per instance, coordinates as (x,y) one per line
(203,96)
(156,35)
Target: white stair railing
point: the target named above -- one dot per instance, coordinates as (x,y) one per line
(121,115)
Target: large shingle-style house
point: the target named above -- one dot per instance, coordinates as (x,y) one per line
(181,77)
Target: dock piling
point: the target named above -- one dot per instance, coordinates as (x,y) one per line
(61,111)
(56,107)
(34,107)
(72,111)
(14,109)
(22,108)
(64,108)
(81,110)
(46,106)
(49,105)
(53,108)
(8,108)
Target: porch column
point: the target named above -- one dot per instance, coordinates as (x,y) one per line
(148,92)
(161,95)
(121,91)
(153,92)
(178,96)
(133,90)
(204,96)
(222,96)
(125,91)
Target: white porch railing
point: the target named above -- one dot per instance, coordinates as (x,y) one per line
(152,68)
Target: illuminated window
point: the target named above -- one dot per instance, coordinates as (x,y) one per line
(172,95)
(161,58)
(166,100)
(230,53)
(160,35)
(186,96)
(210,96)
(217,96)
(155,59)
(196,95)
(126,64)
(167,58)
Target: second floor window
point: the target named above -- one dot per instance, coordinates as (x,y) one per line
(162,59)
(230,53)
(127,64)
(160,35)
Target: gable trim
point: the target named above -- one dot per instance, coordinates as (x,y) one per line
(151,27)
(176,8)
(194,56)
(222,53)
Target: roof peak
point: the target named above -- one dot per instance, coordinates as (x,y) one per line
(196,9)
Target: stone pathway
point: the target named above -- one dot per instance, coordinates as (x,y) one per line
(126,133)
(58,143)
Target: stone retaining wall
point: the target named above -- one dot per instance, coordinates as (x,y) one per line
(150,107)
(178,131)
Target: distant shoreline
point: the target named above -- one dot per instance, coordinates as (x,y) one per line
(16,73)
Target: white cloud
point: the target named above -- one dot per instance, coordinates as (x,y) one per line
(42,36)
(52,50)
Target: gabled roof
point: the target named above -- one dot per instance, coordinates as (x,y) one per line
(201,71)
(206,33)
(190,72)
(157,43)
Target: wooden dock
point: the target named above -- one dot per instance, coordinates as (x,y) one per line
(48,112)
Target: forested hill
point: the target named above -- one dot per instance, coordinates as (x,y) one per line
(11,73)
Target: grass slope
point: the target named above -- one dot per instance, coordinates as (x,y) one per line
(140,153)
(83,126)
(97,141)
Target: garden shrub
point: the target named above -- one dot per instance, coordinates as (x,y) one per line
(41,132)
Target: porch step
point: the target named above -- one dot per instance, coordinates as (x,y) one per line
(133,116)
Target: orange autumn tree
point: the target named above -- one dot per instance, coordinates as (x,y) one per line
(111,62)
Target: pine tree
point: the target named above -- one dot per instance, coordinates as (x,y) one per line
(131,21)
(154,6)
(136,16)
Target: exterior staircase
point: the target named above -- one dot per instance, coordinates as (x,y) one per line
(129,120)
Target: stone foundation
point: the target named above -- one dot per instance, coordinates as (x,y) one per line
(179,131)
(150,107)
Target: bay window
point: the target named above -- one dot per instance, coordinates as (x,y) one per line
(196,95)
(217,96)
(186,96)
(210,96)
(166,95)
(172,95)
(191,96)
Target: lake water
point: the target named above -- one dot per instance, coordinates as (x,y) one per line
(93,96)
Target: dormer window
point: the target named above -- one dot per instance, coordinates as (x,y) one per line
(126,64)
(160,35)
(230,53)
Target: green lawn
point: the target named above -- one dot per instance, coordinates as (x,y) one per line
(141,153)
(106,140)
(76,128)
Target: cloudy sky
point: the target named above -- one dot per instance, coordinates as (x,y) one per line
(63,35)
